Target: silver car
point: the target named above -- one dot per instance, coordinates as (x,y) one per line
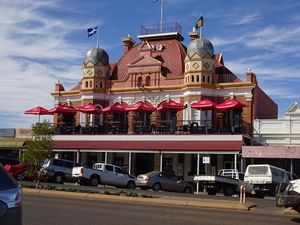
(10,199)
(163,181)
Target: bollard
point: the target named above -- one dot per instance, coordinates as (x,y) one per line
(242,194)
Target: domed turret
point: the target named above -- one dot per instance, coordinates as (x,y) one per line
(201,46)
(96,55)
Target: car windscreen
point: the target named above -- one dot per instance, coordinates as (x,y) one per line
(6,181)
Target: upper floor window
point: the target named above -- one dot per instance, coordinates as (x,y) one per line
(208,79)
(86,84)
(203,79)
(140,82)
(192,78)
(148,81)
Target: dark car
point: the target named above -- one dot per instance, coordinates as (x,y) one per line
(10,199)
(8,161)
(163,181)
(58,170)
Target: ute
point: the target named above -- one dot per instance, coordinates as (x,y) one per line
(106,174)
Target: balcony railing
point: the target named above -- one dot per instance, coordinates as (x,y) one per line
(141,127)
(160,28)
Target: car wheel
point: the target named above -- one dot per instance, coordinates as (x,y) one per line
(228,191)
(211,191)
(156,187)
(131,185)
(20,176)
(58,178)
(187,190)
(94,181)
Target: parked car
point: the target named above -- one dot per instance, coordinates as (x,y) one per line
(163,181)
(289,195)
(17,171)
(10,199)
(266,178)
(8,161)
(58,170)
(107,174)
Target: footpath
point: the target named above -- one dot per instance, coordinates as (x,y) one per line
(162,200)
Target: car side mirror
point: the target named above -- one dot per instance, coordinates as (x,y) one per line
(3,209)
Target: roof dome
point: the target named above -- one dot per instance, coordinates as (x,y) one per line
(200,46)
(96,55)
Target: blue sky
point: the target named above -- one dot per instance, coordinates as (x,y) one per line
(43,41)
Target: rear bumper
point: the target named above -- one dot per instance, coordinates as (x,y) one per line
(13,217)
(284,200)
(142,184)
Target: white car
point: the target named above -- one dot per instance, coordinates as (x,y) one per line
(107,174)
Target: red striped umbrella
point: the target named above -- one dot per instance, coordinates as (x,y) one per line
(141,107)
(115,107)
(89,108)
(204,104)
(230,104)
(37,111)
(62,109)
(171,106)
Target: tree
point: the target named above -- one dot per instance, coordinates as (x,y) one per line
(39,148)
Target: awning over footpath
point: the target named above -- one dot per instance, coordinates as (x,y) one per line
(233,145)
(12,142)
(284,152)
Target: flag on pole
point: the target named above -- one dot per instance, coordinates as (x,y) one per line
(199,23)
(92,31)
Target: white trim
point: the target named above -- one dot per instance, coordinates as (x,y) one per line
(147,137)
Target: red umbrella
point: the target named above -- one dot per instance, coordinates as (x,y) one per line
(115,107)
(37,111)
(141,107)
(171,106)
(62,109)
(204,104)
(230,104)
(89,108)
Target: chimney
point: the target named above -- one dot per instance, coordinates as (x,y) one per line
(128,43)
(251,76)
(59,87)
(194,34)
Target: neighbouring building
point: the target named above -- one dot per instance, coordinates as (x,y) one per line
(157,69)
(277,141)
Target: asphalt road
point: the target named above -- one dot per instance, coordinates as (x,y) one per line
(40,210)
(266,203)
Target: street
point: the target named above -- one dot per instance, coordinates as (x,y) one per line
(40,210)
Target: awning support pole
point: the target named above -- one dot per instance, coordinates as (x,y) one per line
(78,156)
(235,161)
(198,171)
(160,163)
(129,163)
(291,168)
(105,158)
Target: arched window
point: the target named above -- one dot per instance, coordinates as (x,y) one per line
(140,82)
(208,79)
(148,81)
(86,84)
(101,85)
(192,78)
(203,79)
(91,83)
(198,78)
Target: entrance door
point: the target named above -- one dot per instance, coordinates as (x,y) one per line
(144,162)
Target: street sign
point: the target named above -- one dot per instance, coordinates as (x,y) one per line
(206,160)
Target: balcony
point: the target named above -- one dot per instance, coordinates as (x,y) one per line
(160,128)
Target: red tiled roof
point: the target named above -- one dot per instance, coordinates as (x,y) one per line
(172,57)
(151,145)
(77,87)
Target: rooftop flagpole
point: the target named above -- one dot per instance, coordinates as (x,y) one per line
(161,15)
(201,27)
(98,31)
